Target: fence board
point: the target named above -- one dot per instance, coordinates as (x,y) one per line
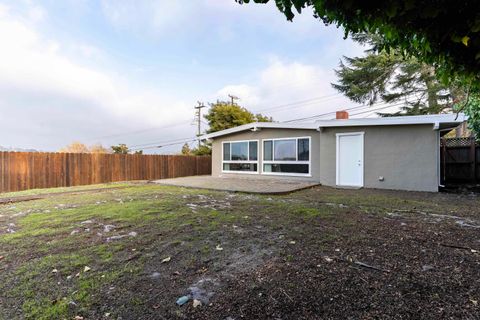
(460,161)
(30,170)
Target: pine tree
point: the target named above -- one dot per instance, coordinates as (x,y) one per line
(391,77)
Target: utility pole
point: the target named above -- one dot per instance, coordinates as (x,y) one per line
(198,116)
(232,98)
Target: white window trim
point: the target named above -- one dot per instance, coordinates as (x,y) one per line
(291,174)
(241,161)
(337,157)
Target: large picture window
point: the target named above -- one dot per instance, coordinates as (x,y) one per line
(240,156)
(287,156)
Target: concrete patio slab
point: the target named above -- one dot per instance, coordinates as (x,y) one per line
(239,184)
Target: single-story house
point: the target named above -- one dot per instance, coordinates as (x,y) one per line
(400,153)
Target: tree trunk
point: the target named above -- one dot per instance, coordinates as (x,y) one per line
(428,74)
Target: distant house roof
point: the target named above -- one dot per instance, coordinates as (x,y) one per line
(439,122)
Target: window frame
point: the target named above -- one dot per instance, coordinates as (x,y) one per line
(257,162)
(273,161)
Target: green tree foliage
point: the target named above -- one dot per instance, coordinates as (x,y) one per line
(224,115)
(120,149)
(472,108)
(391,77)
(202,150)
(186,150)
(443,33)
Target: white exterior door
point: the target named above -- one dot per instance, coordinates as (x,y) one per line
(350,159)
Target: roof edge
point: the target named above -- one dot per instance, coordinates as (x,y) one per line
(259,125)
(436,119)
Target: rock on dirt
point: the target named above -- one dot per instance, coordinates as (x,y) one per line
(108,227)
(427,268)
(196,303)
(10,228)
(118,237)
(203,289)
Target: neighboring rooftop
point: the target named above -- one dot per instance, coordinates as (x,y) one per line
(439,122)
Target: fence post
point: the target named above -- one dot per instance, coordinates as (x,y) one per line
(443,159)
(473,159)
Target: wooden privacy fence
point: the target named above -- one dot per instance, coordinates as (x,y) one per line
(460,161)
(30,170)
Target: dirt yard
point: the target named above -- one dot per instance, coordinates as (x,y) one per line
(131,251)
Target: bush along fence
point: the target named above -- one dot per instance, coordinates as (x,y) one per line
(460,161)
(31,170)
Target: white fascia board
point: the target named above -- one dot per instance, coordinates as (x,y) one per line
(256,126)
(451,119)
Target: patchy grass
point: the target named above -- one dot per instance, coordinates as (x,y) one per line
(130,252)
(39,192)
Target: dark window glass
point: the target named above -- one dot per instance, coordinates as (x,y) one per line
(226,151)
(285,150)
(239,151)
(303,150)
(240,167)
(267,150)
(253,145)
(286,168)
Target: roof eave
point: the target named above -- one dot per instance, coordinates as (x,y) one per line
(437,121)
(256,126)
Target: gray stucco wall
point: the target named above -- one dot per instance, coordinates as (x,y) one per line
(406,156)
(267,134)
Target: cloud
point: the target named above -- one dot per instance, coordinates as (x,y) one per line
(147,16)
(35,12)
(55,96)
(207,18)
(282,83)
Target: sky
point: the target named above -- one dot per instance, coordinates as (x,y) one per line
(131,71)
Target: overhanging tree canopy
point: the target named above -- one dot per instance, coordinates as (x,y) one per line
(445,33)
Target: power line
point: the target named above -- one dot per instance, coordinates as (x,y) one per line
(159,142)
(133,132)
(186,140)
(163,145)
(347,109)
(141,131)
(301,102)
(315,103)
(296,103)
(327,113)
(385,107)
